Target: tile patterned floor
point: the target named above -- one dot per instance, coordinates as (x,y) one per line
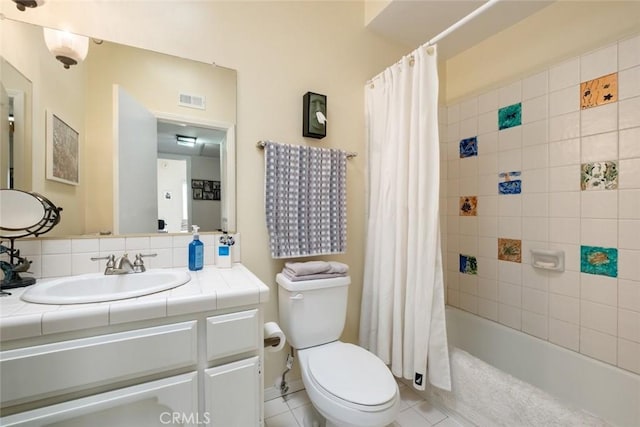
(414,411)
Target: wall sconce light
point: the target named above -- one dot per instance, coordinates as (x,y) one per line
(68,48)
(23,4)
(189,141)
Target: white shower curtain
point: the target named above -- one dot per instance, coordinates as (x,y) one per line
(402,318)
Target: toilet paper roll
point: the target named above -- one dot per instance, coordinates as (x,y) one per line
(272,332)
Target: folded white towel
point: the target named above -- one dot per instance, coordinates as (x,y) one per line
(316,276)
(315,267)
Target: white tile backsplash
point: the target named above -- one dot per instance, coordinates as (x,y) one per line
(564,334)
(599,120)
(600,147)
(599,63)
(565,126)
(629,325)
(535,109)
(535,133)
(564,74)
(488,102)
(629,204)
(598,345)
(535,86)
(629,83)
(564,101)
(629,52)
(510,94)
(628,143)
(629,173)
(629,114)
(562,153)
(596,315)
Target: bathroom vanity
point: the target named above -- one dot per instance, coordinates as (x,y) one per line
(191,355)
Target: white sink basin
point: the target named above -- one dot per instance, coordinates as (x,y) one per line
(97,287)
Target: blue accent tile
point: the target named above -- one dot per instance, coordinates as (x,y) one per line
(597,260)
(468,264)
(510,116)
(509,185)
(469,147)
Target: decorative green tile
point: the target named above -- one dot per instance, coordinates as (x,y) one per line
(597,260)
(468,206)
(510,116)
(599,176)
(510,250)
(468,264)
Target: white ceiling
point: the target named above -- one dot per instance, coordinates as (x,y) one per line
(208,144)
(415,22)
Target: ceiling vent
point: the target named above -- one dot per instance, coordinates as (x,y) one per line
(191,101)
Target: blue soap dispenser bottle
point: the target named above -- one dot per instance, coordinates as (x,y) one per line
(196,251)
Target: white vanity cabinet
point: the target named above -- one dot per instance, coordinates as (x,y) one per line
(198,369)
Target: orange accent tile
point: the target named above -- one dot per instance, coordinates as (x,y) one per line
(468,206)
(600,91)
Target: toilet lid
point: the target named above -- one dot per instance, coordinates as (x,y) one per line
(351,373)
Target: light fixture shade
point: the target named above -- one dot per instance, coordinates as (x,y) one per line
(68,48)
(24,4)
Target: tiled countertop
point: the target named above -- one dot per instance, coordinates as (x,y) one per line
(209,289)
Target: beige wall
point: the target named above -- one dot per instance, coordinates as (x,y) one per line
(557,32)
(281,50)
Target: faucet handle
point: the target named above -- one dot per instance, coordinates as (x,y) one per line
(111,260)
(138,264)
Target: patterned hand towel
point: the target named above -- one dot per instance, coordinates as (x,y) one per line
(305,200)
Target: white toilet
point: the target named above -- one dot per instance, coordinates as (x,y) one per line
(347,385)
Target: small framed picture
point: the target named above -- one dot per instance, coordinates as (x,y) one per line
(314,115)
(207,195)
(197,194)
(197,183)
(216,194)
(63,151)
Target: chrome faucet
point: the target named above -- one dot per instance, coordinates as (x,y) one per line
(123,265)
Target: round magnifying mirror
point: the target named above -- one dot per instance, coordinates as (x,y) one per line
(19,211)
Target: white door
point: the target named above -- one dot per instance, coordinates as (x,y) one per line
(135,200)
(172,208)
(232,394)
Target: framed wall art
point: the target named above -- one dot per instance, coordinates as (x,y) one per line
(63,151)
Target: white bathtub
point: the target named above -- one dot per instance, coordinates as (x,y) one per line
(608,392)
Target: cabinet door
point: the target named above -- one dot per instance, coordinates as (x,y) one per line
(170,401)
(232,394)
(232,333)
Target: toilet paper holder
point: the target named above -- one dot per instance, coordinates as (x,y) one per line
(271,342)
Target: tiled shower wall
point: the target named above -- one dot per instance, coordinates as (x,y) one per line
(551,161)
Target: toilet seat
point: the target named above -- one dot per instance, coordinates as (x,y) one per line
(352,375)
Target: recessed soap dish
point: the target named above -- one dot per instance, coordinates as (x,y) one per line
(547,259)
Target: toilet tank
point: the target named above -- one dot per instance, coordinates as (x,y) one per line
(312,312)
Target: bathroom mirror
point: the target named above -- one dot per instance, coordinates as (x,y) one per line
(119,188)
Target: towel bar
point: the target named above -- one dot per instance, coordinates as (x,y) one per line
(350,154)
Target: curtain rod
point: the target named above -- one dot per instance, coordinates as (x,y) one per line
(452,28)
(350,154)
(461,22)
